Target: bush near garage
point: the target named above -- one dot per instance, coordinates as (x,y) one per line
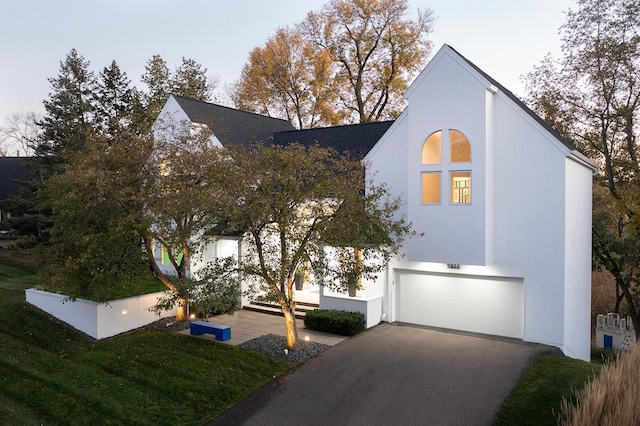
(336,322)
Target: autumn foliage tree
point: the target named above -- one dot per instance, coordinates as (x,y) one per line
(376,50)
(288,78)
(349,62)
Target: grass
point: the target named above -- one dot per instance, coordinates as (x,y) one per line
(537,398)
(51,374)
(611,399)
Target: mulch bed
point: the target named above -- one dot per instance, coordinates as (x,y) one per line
(168,324)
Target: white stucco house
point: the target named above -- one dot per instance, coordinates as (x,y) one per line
(503,204)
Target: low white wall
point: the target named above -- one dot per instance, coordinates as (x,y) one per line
(99,320)
(371,307)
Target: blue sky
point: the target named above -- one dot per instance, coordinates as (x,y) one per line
(505,38)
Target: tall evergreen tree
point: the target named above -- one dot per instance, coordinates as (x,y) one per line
(69,117)
(69,111)
(157,78)
(114,101)
(190,80)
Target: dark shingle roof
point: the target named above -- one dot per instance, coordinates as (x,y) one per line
(12,169)
(518,102)
(231,125)
(356,139)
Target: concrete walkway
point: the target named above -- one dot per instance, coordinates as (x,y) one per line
(393,375)
(247,325)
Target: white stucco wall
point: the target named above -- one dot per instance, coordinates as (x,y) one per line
(220,247)
(530,217)
(386,163)
(577,297)
(172,114)
(530,214)
(447,97)
(99,320)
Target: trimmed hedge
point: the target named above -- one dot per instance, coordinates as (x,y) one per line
(337,322)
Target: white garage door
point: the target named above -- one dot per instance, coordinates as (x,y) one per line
(486,305)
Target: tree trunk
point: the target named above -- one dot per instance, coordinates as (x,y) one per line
(631,306)
(292,331)
(182,314)
(183,305)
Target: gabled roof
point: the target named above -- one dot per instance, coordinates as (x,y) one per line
(516,100)
(355,139)
(12,169)
(232,126)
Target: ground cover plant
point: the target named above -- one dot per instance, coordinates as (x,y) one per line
(51,374)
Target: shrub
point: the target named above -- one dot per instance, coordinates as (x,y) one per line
(612,398)
(603,356)
(23,243)
(337,322)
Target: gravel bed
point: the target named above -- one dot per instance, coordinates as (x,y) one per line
(274,345)
(269,344)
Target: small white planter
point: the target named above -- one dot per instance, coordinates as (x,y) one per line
(371,307)
(99,320)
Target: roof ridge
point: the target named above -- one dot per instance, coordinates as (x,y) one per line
(566,142)
(212,104)
(338,126)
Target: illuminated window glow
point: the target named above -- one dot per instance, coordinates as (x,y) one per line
(432,149)
(431,188)
(460,148)
(460,184)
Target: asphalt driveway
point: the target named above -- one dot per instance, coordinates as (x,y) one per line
(393,375)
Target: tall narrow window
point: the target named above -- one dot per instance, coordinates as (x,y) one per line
(460,187)
(431,188)
(432,149)
(460,148)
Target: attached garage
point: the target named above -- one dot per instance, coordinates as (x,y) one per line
(488,305)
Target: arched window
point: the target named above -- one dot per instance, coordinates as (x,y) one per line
(432,149)
(460,148)
(434,172)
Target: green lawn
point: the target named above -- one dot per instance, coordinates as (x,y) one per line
(536,399)
(51,374)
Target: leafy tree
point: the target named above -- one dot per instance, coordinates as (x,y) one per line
(592,96)
(291,203)
(97,222)
(288,78)
(376,51)
(182,184)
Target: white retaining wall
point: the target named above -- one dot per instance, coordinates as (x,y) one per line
(99,320)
